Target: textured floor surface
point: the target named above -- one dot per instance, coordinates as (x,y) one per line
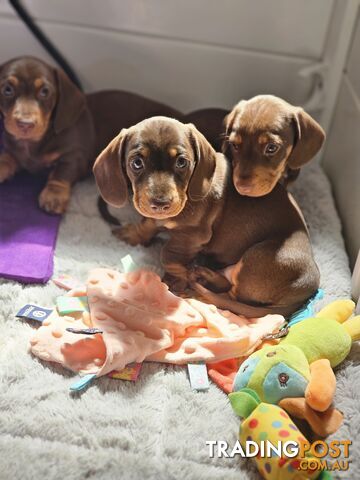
(156,428)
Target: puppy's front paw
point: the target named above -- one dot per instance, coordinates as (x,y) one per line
(177,285)
(208,278)
(130,234)
(8,167)
(55,197)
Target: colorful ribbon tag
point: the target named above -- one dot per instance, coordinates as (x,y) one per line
(130,372)
(308,310)
(128,264)
(34,312)
(83,382)
(66,282)
(198,376)
(67,305)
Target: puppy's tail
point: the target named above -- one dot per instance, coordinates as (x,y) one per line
(104,212)
(249,311)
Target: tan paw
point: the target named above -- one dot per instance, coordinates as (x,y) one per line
(55,197)
(8,167)
(176,285)
(202,275)
(208,278)
(130,234)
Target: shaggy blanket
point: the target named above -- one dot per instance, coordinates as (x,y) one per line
(157,427)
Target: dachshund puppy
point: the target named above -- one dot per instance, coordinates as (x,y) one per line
(175,180)
(113,110)
(178,183)
(268,140)
(47,128)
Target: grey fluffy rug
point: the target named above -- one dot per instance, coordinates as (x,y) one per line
(156,428)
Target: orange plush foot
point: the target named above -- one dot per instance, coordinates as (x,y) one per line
(322,423)
(223,373)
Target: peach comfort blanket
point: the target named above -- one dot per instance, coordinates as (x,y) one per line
(141,320)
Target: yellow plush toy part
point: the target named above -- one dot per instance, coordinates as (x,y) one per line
(297,373)
(265,423)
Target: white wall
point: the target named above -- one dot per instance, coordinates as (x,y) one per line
(342,153)
(189,53)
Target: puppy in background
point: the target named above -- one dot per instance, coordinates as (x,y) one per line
(267,140)
(210,122)
(113,110)
(48,127)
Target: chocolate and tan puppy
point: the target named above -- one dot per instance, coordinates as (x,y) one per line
(48,127)
(178,183)
(268,140)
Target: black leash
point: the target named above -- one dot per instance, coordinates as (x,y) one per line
(45,42)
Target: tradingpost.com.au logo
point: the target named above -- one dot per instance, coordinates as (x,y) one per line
(310,456)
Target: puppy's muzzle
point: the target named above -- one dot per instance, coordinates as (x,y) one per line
(25,125)
(160,204)
(244,184)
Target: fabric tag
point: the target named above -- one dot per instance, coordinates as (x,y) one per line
(128,264)
(67,305)
(86,331)
(34,312)
(198,376)
(130,372)
(66,282)
(83,382)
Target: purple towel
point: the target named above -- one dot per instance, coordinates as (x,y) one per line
(27,234)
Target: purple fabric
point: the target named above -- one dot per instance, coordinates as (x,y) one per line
(1,132)
(27,234)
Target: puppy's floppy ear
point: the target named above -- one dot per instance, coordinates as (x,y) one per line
(205,161)
(229,122)
(70,102)
(109,173)
(309,137)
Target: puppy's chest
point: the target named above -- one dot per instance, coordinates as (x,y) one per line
(167,224)
(33,158)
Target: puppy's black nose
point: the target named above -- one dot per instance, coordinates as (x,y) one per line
(160,203)
(245,177)
(25,124)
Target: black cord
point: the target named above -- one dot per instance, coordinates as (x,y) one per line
(45,42)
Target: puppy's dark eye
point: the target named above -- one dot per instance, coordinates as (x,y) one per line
(181,162)
(235,146)
(271,149)
(137,164)
(44,92)
(8,90)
